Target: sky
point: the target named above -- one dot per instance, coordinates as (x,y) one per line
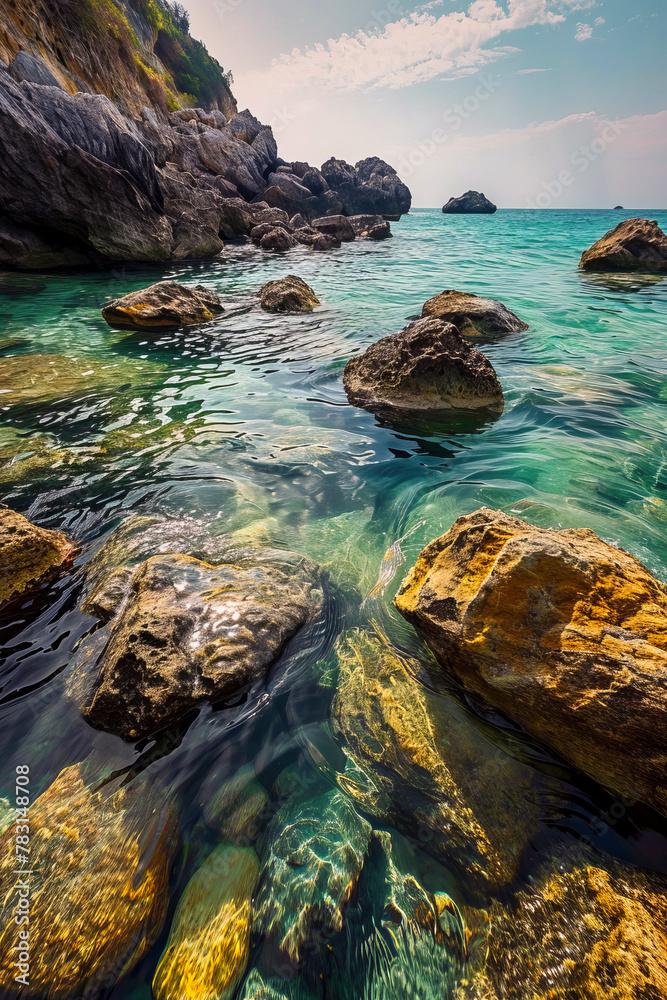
(536,103)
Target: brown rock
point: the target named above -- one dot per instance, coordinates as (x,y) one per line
(28,554)
(288,295)
(581,933)
(165,304)
(564,633)
(190,632)
(99,889)
(634,245)
(337,226)
(278,239)
(474,317)
(428,366)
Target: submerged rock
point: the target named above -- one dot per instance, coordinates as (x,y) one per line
(470,203)
(99,891)
(337,227)
(187,632)
(313,856)
(428,770)
(564,633)
(28,554)
(428,366)
(235,808)
(474,317)
(36,379)
(209,942)
(165,304)
(581,933)
(288,295)
(634,245)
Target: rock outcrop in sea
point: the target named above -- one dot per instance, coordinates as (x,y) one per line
(427,367)
(167,304)
(474,317)
(563,632)
(634,245)
(470,203)
(121,170)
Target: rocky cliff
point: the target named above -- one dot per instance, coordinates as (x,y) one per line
(121,140)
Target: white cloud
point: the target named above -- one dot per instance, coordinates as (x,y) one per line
(418,48)
(584,32)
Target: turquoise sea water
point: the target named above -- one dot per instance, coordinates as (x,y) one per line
(252,406)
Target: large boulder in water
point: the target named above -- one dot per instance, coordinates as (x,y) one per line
(165,304)
(474,317)
(99,892)
(634,245)
(182,631)
(28,554)
(564,633)
(426,367)
(470,203)
(288,295)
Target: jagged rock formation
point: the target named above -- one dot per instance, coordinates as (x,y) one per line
(101,162)
(428,366)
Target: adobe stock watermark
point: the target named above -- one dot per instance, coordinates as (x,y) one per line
(581,160)
(453,118)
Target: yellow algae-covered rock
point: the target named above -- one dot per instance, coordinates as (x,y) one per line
(165,304)
(28,554)
(564,633)
(584,933)
(435,776)
(99,888)
(209,944)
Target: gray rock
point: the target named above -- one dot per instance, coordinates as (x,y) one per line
(337,226)
(470,203)
(428,366)
(26,68)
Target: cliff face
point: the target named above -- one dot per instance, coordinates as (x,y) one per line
(134,52)
(120,140)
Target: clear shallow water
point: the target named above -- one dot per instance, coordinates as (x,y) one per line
(252,406)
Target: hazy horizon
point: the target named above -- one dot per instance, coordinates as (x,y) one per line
(537,103)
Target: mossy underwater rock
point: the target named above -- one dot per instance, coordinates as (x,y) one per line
(634,245)
(167,304)
(99,891)
(564,633)
(581,933)
(431,774)
(209,943)
(474,317)
(313,855)
(28,554)
(182,632)
(427,367)
(288,295)
(38,379)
